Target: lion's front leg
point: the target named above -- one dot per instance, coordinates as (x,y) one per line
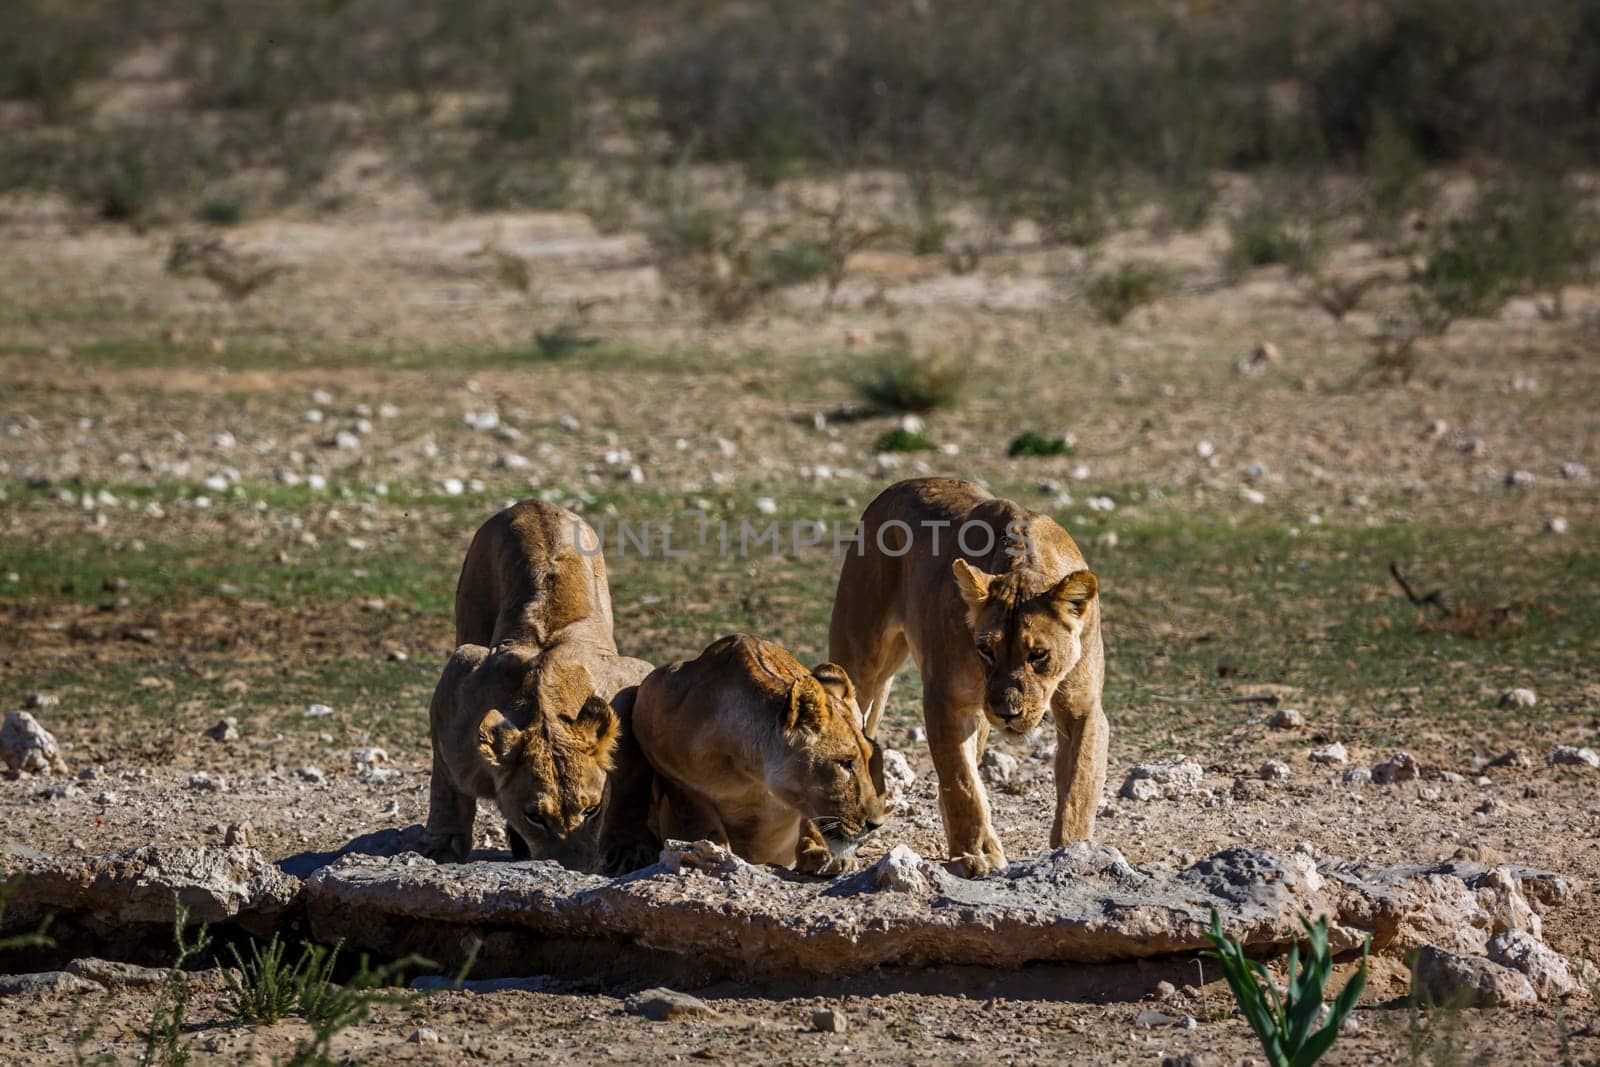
(813,856)
(955,735)
(447,837)
(1081,742)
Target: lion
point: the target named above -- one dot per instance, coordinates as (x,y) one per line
(996,606)
(521,713)
(745,747)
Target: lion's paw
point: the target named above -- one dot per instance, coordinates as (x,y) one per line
(977,864)
(446,848)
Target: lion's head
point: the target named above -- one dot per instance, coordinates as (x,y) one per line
(1026,631)
(550,776)
(832,773)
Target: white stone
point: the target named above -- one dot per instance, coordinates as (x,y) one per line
(1334,754)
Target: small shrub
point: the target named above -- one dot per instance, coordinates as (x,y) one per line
(1286,1021)
(896,380)
(1396,177)
(791,263)
(1263,235)
(1114,294)
(47,50)
(220,211)
(268,987)
(901,439)
(1030,443)
(561,342)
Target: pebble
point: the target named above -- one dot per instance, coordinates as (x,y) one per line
(1204,449)
(661,1004)
(452,487)
(1274,771)
(1287,719)
(1357,776)
(424,1036)
(1162,779)
(1518,698)
(207,783)
(311,774)
(224,731)
(40,701)
(1334,753)
(1519,479)
(1555,525)
(27,747)
(1401,767)
(239,833)
(999,768)
(1573,756)
(829,1021)
(1252,496)
(1573,471)
(317,711)
(766,505)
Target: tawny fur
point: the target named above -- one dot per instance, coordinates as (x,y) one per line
(745,747)
(998,640)
(521,714)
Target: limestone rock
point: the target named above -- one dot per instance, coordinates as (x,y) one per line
(141,885)
(661,1004)
(116,976)
(898,778)
(1286,719)
(28,747)
(1333,754)
(1401,767)
(1518,698)
(44,982)
(1454,980)
(1162,780)
(1547,970)
(226,730)
(1573,756)
(829,1021)
(999,768)
(1274,771)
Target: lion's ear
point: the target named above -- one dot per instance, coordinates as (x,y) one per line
(835,680)
(564,688)
(1074,592)
(972,583)
(808,705)
(598,726)
(497,739)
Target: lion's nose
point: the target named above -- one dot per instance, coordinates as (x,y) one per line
(873,825)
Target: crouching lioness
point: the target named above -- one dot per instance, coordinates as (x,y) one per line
(745,747)
(995,605)
(521,714)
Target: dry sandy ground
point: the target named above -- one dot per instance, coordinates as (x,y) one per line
(1141,399)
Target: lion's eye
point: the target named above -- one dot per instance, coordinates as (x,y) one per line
(589,812)
(848,765)
(1039,657)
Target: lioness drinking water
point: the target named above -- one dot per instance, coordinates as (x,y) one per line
(745,747)
(521,713)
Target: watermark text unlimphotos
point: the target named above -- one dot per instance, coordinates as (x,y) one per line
(694,531)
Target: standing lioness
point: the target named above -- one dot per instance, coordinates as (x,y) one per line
(521,713)
(995,605)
